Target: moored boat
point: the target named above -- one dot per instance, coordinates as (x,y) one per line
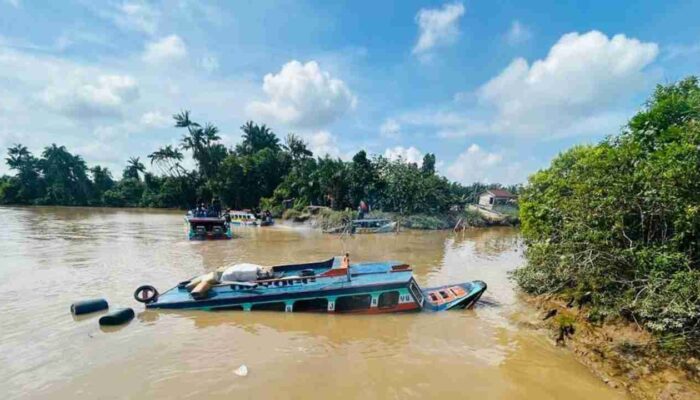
(363,288)
(207,227)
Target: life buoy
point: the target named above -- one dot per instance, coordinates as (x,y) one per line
(146,294)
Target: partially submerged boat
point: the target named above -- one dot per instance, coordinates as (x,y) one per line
(207,227)
(363,288)
(373,225)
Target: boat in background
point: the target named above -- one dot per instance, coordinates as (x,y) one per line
(207,227)
(242,218)
(363,288)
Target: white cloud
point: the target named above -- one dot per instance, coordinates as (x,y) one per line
(476,164)
(410,154)
(168,49)
(13,3)
(675,51)
(209,63)
(437,27)
(74,102)
(390,129)
(155,119)
(582,75)
(518,33)
(302,95)
(582,87)
(138,16)
(324,143)
(79,99)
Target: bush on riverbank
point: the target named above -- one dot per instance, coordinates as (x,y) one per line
(618,223)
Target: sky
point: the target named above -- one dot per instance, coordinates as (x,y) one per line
(495,89)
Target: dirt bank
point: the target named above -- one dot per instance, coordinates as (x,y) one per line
(621,354)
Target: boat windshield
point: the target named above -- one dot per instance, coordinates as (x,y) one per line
(416,292)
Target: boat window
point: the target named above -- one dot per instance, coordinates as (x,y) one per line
(277,306)
(351,303)
(229,308)
(320,304)
(388,299)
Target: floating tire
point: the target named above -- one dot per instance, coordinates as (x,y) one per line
(88,306)
(117,317)
(146,294)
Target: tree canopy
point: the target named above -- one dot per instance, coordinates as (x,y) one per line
(621,220)
(260,171)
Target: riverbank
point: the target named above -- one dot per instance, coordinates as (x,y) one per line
(324,218)
(620,353)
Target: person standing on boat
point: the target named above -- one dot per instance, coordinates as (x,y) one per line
(346,264)
(216,206)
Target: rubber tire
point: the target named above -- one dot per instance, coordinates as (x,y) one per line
(117,317)
(148,300)
(88,306)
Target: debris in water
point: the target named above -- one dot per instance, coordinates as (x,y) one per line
(241,371)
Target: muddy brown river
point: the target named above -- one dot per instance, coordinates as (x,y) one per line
(50,257)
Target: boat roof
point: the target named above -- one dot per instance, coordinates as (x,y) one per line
(193,220)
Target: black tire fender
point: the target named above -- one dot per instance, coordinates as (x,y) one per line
(146,294)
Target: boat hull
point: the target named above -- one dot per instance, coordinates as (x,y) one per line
(449,297)
(207,229)
(366,288)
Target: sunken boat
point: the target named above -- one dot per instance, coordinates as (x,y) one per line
(326,286)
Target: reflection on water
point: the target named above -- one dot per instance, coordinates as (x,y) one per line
(54,256)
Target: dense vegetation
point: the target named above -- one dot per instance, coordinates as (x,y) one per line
(619,222)
(259,172)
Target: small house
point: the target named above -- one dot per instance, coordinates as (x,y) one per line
(493,197)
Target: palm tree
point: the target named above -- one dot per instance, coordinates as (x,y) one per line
(297,147)
(257,137)
(18,156)
(167,159)
(203,142)
(133,167)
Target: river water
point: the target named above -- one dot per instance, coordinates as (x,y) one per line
(50,257)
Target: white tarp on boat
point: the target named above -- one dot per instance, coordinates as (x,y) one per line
(245,272)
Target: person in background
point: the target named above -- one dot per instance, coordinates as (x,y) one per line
(362,209)
(216,206)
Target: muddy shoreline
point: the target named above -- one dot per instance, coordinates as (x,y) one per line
(620,353)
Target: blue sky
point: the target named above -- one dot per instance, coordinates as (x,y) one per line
(494,88)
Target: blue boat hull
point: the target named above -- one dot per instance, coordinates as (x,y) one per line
(368,288)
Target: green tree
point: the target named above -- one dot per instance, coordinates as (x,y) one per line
(428,166)
(167,159)
(134,166)
(27,186)
(621,220)
(66,177)
(256,138)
